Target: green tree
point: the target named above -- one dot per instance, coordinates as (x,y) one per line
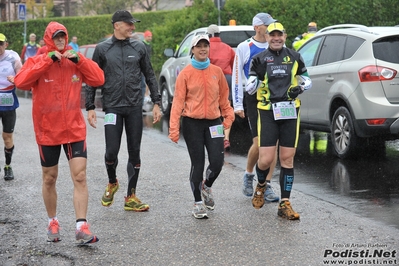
(40,8)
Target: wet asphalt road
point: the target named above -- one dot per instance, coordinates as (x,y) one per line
(367,185)
(234,234)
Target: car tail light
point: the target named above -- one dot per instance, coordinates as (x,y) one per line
(376,121)
(376,73)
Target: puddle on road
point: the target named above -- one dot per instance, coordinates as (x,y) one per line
(368,186)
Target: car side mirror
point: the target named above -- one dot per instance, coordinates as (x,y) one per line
(168,52)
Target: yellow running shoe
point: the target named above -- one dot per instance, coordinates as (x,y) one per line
(132,203)
(108,197)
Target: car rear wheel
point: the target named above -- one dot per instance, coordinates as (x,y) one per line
(166,101)
(343,135)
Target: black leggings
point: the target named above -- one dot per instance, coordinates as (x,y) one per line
(131,118)
(197,135)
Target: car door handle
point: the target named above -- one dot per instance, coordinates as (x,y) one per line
(183,63)
(329,79)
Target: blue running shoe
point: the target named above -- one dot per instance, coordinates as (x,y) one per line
(247,185)
(270,195)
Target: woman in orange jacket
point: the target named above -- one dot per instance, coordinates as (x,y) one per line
(202,98)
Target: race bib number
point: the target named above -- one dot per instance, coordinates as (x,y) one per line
(6,99)
(284,110)
(110,119)
(216,131)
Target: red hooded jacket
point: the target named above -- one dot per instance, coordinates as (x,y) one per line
(56,91)
(221,54)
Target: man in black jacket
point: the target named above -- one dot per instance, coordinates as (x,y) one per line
(123,59)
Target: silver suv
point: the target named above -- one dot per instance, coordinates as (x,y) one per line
(355,92)
(232,35)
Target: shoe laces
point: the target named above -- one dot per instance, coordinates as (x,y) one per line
(199,207)
(249,180)
(111,186)
(133,198)
(288,208)
(269,189)
(259,191)
(85,229)
(53,227)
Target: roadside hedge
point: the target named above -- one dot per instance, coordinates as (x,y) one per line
(170,27)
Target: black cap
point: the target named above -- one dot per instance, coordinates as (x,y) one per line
(58,31)
(123,15)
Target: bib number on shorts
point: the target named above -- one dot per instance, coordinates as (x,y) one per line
(284,110)
(6,99)
(110,119)
(216,131)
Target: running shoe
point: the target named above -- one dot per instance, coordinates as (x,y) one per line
(8,173)
(258,199)
(226,144)
(53,231)
(108,197)
(285,210)
(132,203)
(84,236)
(207,197)
(270,195)
(199,211)
(247,186)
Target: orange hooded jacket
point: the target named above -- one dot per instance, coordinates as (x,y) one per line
(56,91)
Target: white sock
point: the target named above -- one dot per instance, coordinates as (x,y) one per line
(51,218)
(79,224)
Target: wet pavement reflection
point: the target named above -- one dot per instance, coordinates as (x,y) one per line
(367,185)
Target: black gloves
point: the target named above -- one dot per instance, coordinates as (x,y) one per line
(74,59)
(259,68)
(52,56)
(293,92)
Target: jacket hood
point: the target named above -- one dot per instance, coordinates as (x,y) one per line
(51,28)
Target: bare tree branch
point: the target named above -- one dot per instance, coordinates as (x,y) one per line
(147,5)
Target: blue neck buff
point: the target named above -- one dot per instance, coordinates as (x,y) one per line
(200,65)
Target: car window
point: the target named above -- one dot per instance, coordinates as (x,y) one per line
(332,49)
(387,49)
(89,52)
(308,51)
(234,38)
(352,45)
(82,50)
(184,48)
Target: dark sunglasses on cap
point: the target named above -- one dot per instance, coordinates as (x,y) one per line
(59,35)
